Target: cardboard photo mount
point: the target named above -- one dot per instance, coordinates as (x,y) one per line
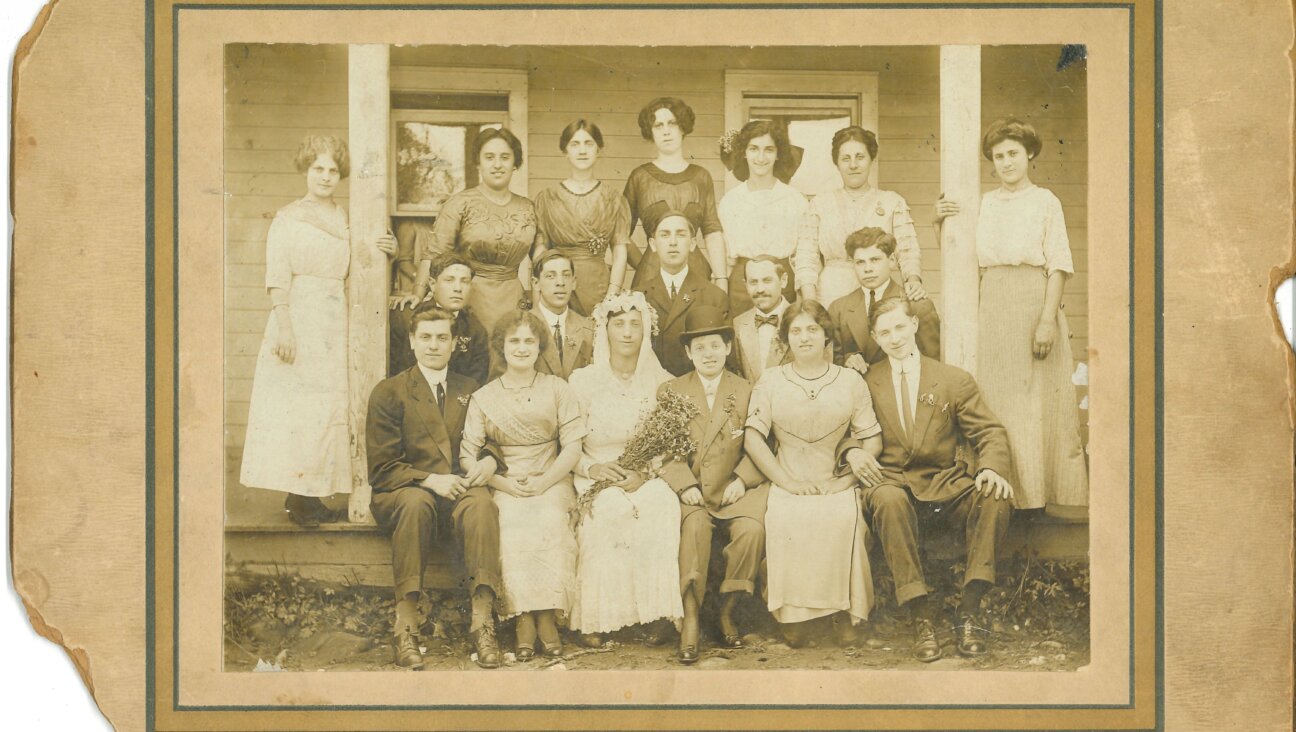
(108,405)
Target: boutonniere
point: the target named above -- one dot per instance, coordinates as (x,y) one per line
(462,343)
(731,403)
(945,408)
(928,399)
(569,342)
(687,298)
(463,399)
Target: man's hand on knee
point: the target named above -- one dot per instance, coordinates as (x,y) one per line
(993,485)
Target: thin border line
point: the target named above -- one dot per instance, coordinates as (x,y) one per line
(150,424)
(150,379)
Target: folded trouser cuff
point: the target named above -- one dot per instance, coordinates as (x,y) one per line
(406,585)
(907,592)
(737,585)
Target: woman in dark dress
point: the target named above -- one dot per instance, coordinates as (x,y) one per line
(672,183)
(585,219)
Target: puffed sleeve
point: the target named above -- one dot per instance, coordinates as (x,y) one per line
(805,260)
(706,195)
(571,419)
(908,253)
(760,412)
(474,429)
(445,232)
(864,422)
(279,254)
(1057,247)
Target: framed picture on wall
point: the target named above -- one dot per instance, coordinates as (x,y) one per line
(430,157)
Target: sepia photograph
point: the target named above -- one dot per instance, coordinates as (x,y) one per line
(656,358)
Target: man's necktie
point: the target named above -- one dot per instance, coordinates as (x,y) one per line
(767,320)
(872,300)
(558,342)
(440,397)
(906,417)
(673,291)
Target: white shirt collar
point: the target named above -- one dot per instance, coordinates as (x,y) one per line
(908,365)
(778,309)
(433,377)
(550,317)
(878,292)
(710,385)
(677,278)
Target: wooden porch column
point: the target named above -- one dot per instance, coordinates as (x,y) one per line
(960,138)
(369,102)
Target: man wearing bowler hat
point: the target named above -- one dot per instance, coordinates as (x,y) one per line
(718,483)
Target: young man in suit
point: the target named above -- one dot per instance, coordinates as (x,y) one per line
(756,331)
(719,483)
(412,435)
(870,252)
(677,289)
(553,278)
(925,408)
(451,278)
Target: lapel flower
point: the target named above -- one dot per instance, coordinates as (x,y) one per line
(462,343)
(463,399)
(569,342)
(928,399)
(945,408)
(687,298)
(731,403)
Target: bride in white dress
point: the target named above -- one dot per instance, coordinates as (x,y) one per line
(628,571)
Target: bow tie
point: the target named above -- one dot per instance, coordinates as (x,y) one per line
(767,320)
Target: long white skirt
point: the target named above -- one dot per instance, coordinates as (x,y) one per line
(817,556)
(537,551)
(628,570)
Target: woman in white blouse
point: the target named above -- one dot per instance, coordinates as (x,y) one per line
(762,215)
(1024,360)
(823,270)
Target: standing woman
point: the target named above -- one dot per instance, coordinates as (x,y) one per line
(1024,359)
(762,215)
(535,421)
(490,226)
(818,414)
(823,270)
(628,570)
(672,183)
(583,218)
(297,434)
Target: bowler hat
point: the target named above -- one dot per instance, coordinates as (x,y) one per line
(705,320)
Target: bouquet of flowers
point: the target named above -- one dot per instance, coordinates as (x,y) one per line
(661,433)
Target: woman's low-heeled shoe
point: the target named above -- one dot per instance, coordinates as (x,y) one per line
(732,641)
(525,653)
(688,655)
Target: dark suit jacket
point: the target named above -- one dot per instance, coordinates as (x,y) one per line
(406,438)
(850,320)
(578,349)
(949,407)
(471,356)
(670,315)
(719,457)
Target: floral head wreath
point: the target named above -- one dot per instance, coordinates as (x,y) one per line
(623,302)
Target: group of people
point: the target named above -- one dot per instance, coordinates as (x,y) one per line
(813,424)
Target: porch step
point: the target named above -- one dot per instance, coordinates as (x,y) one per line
(360,554)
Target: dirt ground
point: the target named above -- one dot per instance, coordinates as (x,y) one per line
(885,644)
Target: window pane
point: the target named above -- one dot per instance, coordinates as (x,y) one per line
(810,125)
(432,162)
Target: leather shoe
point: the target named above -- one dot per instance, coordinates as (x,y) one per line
(407,651)
(525,653)
(688,655)
(658,634)
(844,633)
(488,652)
(925,648)
(591,640)
(970,637)
(794,634)
(551,651)
(732,640)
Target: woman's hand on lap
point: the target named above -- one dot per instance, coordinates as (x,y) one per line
(607,471)
(691,497)
(633,480)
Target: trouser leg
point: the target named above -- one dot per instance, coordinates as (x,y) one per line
(410,514)
(742,554)
(476,522)
(891,513)
(696,527)
(984,521)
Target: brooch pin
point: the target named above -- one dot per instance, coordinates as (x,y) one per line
(463,399)
(945,408)
(462,343)
(879,211)
(687,298)
(597,244)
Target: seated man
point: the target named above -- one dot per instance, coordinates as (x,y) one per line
(451,281)
(718,483)
(870,250)
(676,289)
(553,279)
(412,435)
(756,331)
(925,407)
